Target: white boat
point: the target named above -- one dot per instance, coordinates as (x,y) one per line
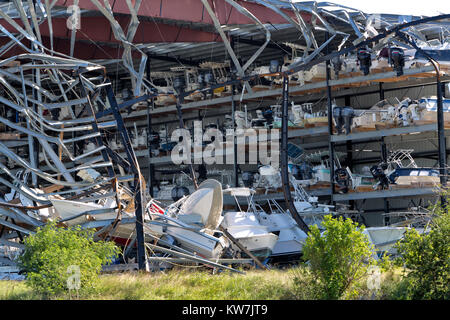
(247,228)
(192,220)
(384,238)
(67,209)
(194,240)
(76,212)
(280,222)
(290,237)
(308,207)
(206,202)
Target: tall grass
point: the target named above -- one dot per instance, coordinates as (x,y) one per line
(182,284)
(16,290)
(175,285)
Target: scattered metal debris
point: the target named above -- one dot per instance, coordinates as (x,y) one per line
(64,107)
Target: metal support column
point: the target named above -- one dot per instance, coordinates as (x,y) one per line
(330,132)
(441,133)
(284,158)
(384,157)
(139,193)
(235,157)
(381,91)
(441,138)
(384,153)
(349,150)
(151,167)
(233,111)
(180,100)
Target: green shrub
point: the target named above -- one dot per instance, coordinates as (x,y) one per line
(337,258)
(426,259)
(52,256)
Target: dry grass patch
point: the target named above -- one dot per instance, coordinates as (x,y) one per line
(178,284)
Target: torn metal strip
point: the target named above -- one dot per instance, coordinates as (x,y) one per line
(15,227)
(24,17)
(247,13)
(240,70)
(34,21)
(17,215)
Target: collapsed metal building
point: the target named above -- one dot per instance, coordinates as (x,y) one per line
(78,78)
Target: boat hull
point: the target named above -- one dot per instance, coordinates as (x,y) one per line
(201,243)
(66,209)
(245,227)
(385,238)
(290,237)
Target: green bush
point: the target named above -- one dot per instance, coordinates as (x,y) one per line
(337,258)
(52,256)
(426,259)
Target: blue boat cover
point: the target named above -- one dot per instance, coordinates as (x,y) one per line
(438,55)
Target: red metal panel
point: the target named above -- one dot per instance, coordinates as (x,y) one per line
(193,11)
(99,29)
(83,50)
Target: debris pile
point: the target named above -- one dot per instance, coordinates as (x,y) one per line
(57,161)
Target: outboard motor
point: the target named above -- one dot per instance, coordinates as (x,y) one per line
(208,78)
(268,115)
(205,79)
(398,60)
(306,172)
(342,179)
(295,171)
(365,60)
(179,192)
(259,121)
(154,140)
(247,179)
(347,114)
(179,84)
(377,172)
(337,65)
(337,115)
(201,80)
(343,116)
(274,66)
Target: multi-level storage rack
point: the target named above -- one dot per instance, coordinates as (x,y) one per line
(341,88)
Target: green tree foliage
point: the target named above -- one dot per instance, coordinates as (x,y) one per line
(426,258)
(338,257)
(51,253)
